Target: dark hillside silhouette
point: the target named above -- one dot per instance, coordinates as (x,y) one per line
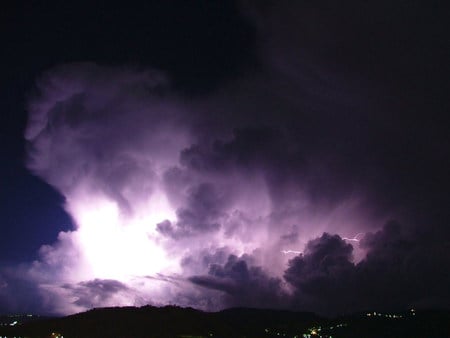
(173,321)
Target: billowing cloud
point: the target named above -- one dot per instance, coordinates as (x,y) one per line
(243,284)
(95,293)
(398,271)
(177,198)
(201,214)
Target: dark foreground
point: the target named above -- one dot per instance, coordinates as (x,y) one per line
(171,321)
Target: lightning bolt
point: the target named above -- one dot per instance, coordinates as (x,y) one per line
(356,238)
(291,252)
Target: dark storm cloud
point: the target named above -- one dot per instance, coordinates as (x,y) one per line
(97,292)
(317,139)
(204,208)
(243,283)
(405,268)
(250,151)
(369,102)
(250,148)
(399,271)
(323,275)
(302,168)
(205,258)
(325,258)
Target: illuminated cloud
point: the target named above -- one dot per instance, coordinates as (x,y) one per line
(399,271)
(147,190)
(271,190)
(323,276)
(243,284)
(97,293)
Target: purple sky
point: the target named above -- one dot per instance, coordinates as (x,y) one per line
(262,154)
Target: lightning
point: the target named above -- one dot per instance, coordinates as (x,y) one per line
(291,252)
(355,238)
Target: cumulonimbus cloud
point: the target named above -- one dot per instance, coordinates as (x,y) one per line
(208,191)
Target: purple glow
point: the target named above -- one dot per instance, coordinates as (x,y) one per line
(129,168)
(307,180)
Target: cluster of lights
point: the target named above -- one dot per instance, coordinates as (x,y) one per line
(314,332)
(387,315)
(14,323)
(278,333)
(56,335)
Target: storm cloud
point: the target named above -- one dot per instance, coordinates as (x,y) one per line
(243,284)
(220,191)
(96,292)
(398,271)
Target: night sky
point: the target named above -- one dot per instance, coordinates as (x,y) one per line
(271,154)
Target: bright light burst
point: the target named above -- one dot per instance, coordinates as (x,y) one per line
(117,245)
